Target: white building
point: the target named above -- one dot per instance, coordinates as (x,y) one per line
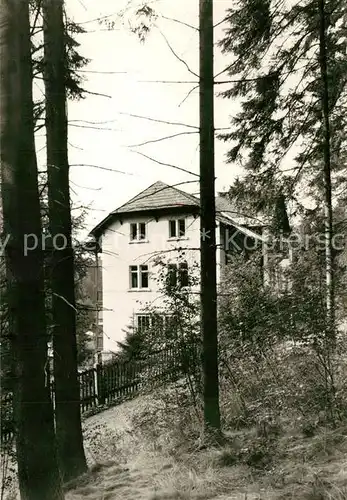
(162,222)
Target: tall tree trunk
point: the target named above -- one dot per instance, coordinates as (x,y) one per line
(326,148)
(38,473)
(208,220)
(67,395)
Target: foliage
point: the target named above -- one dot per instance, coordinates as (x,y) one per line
(274,48)
(139,18)
(174,324)
(274,357)
(8,471)
(73,64)
(176,320)
(5,356)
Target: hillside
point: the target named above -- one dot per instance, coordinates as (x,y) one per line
(134,455)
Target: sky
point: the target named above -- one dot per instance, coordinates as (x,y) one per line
(106,167)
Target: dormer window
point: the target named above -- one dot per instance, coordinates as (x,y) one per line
(177,228)
(137,231)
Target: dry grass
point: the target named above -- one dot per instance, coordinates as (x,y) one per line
(141,450)
(147,465)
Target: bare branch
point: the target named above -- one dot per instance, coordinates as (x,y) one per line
(94,128)
(100,18)
(100,168)
(85,187)
(225,70)
(37,13)
(165,164)
(160,121)
(170,82)
(221,22)
(36,49)
(97,93)
(101,72)
(39,127)
(177,56)
(65,300)
(161,139)
(94,123)
(76,147)
(99,30)
(189,93)
(180,22)
(157,253)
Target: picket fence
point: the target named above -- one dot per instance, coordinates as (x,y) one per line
(112,382)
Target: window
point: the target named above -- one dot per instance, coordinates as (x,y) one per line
(99,343)
(177,275)
(183,274)
(138,276)
(172,228)
(137,231)
(143,322)
(177,228)
(172,275)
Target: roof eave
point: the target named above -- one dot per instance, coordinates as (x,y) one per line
(118,215)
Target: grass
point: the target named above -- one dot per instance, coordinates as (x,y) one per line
(147,450)
(151,460)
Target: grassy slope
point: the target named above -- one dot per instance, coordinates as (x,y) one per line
(132,461)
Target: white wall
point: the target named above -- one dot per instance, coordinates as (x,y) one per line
(118,253)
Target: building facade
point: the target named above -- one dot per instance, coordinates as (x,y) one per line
(158,231)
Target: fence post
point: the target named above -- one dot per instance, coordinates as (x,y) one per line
(100,384)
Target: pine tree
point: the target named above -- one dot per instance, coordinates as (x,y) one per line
(277,75)
(291,71)
(73,63)
(67,405)
(208,221)
(38,472)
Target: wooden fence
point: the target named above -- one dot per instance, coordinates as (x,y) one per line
(112,382)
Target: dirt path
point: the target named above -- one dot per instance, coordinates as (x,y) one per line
(130,468)
(125,464)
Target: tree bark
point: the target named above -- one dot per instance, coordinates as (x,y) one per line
(67,394)
(326,148)
(38,473)
(208,220)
